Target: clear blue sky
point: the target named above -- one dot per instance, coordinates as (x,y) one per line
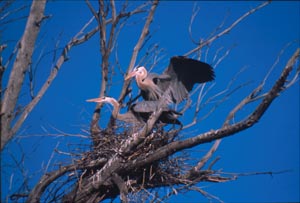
(271,145)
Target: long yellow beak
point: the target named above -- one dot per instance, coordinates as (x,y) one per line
(95,100)
(130,75)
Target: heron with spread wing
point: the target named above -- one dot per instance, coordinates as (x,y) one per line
(175,82)
(140,112)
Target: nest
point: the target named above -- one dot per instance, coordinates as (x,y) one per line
(108,142)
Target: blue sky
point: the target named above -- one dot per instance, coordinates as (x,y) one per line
(271,145)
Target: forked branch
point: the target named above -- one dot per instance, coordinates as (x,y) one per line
(138,46)
(227,30)
(20,66)
(228,130)
(63,57)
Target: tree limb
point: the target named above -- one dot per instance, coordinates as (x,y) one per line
(23,59)
(225,131)
(106,47)
(138,46)
(115,164)
(227,30)
(63,57)
(122,187)
(48,178)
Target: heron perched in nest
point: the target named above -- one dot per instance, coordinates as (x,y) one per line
(175,82)
(140,112)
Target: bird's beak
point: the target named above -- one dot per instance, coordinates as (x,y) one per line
(130,75)
(95,100)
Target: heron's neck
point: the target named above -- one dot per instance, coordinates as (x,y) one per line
(116,112)
(116,109)
(141,82)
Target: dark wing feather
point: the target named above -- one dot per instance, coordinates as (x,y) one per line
(144,109)
(169,118)
(189,71)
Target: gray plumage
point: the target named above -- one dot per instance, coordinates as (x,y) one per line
(144,109)
(139,113)
(175,82)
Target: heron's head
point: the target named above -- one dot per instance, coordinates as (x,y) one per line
(102,100)
(139,72)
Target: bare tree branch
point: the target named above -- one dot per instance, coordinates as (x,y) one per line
(106,47)
(122,187)
(63,57)
(138,46)
(115,163)
(48,178)
(23,60)
(228,130)
(126,161)
(254,95)
(227,30)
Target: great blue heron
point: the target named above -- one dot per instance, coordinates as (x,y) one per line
(140,112)
(177,80)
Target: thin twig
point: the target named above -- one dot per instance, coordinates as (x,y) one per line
(228,130)
(227,30)
(138,46)
(52,76)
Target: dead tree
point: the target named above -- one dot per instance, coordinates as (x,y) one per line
(129,161)
(25,50)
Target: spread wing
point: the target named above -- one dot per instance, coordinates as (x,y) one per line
(189,71)
(185,72)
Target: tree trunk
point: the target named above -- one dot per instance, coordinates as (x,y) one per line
(20,66)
